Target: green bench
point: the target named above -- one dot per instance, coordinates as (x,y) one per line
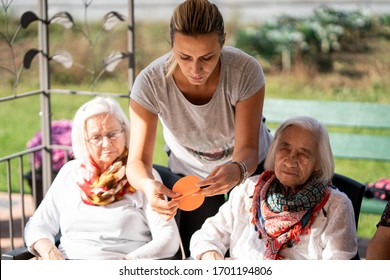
(346,116)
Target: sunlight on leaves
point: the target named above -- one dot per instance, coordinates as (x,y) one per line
(63,18)
(111,19)
(64,58)
(112,60)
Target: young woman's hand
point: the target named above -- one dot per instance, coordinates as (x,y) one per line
(157,195)
(221,180)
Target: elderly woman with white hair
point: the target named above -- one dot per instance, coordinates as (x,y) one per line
(91,203)
(290,211)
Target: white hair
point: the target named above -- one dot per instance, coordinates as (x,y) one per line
(325,155)
(97,106)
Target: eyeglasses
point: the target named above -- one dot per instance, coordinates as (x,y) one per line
(97,140)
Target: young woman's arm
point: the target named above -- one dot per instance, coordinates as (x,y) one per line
(140,161)
(246,145)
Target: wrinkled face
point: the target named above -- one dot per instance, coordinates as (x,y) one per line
(296,156)
(106,139)
(197,56)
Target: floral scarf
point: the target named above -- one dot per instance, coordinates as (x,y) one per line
(282,219)
(107,187)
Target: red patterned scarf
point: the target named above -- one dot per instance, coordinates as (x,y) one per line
(282,219)
(107,187)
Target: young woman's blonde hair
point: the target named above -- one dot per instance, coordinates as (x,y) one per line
(194,17)
(319,132)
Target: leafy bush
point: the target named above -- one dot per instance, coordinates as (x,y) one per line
(385,20)
(316,36)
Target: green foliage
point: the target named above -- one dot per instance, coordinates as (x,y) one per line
(270,39)
(350,20)
(316,36)
(367,225)
(385,20)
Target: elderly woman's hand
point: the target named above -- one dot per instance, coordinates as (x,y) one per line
(47,250)
(221,180)
(211,255)
(157,194)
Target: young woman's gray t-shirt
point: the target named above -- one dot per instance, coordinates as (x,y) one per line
(201,137)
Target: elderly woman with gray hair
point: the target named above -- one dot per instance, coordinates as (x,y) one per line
(290,211)
(99,215)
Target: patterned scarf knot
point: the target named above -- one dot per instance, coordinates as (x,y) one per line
(106,187)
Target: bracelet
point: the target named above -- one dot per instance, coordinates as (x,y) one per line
(241,173)
(243,169)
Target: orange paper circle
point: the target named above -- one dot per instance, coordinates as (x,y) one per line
(186,187)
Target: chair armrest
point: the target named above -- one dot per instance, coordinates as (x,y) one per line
(356,257)
(17,254)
